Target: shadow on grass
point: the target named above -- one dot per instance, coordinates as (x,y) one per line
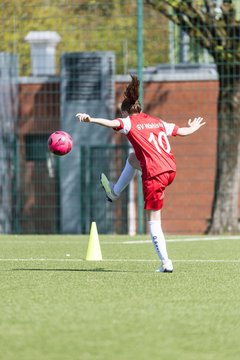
(80,270)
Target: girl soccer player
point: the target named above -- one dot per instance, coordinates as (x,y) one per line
(148,136)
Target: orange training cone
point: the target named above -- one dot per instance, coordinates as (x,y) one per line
(94,249)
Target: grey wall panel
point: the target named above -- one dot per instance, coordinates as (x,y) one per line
(87,85)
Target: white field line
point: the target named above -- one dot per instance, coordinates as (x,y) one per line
(125,242)
(121,260)
(177,240)
(206,238)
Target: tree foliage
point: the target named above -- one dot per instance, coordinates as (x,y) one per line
(215,28)
(95,25)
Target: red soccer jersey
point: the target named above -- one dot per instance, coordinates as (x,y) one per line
(148,136)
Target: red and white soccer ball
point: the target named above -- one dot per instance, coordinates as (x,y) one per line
(60,143)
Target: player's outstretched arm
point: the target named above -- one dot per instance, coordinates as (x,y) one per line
(104,122)
(193,125)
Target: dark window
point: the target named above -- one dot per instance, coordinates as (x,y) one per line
(83,78)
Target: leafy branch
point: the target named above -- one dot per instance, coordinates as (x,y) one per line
(216,29)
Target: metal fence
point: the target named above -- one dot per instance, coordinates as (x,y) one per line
(59,57)
(42,209)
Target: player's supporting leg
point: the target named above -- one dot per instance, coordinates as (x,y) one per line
(158,240)
(113,191)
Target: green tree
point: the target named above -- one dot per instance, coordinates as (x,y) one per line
(84,25)
(217,29)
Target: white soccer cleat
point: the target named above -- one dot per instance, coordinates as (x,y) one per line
(108,188)
(166,267)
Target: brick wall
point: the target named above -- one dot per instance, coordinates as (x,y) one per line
(39,113)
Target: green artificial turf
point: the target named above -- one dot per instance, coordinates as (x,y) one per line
(56,305)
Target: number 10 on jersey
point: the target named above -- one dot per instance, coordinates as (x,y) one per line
(160,142)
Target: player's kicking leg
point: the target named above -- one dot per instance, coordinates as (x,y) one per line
(108,188)
(113,191)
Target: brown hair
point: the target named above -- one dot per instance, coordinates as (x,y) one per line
(131,103)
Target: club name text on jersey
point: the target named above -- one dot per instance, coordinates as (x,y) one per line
(149,126)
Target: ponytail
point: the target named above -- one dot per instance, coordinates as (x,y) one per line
(131,103)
